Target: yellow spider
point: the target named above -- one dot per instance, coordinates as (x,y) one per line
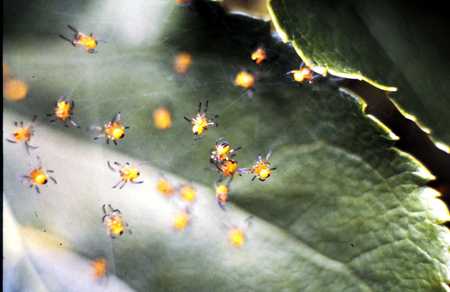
(222,191)
(303,74)
(237,235)
(222,151)
(261,169)
(259,55)
(128,173)
(38,176)
(200,122)
(63,111)
(113,220)
(88,42)
(113,130)
(23,134)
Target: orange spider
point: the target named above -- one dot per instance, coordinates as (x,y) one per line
(228,168)
(165,187)
(245,80)
(63,112)
(38,176)
(113,220)
(128,173)
(188,193)
(261,169)
(113,130)
(99,267)
(88,42)
(222,151)
(222,191)
(303,74)
(201,123)
(259,55)
(23,134)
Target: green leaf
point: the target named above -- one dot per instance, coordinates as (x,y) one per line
(343,211)
(388,44)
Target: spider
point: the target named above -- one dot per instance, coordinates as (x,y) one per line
(38,176)
(182,220)
(165,187)
(63,111)
(222,191)
(303,74)
(99,267)
(222,151)
(237,234)
(201,123)
(261,169)
(227,168)
(23,134)
(259,55)
(80,39)
(113,130)
(188,193)
(128,173)
(113,220)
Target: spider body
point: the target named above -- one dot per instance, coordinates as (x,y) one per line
(113,130)
(222,191)
(259,55)
(303,74)
(261,169)
(113,220)
(222,151)
(188,193)
(127,172)
(23,134)
(200,122)
(165,187)
(79,39)
(63,112)
(38,176)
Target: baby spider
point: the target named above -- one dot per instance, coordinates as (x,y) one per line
(38,176)
(303,74)
(222,151)
(165,187)
(99,268)
(113,130)
(201,123)
(261,169)
(222,191)
(259,55)
(128,173)
(23,134)
(63,112)
(227,168)
(182,220)
(245,80)
(113,220)
(237,234)
(188,193)
(88,42)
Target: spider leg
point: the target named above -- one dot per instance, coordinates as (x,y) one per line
(72,28)
(37,189)
(107,141)
(11,141)
(253,178)
(200,107)
(104,216)
(302,64)
(53,180)
(206,107)
(50,171)
(116,117)
(188,119)
(110,166)
(66,39)
(269,154)
(221,205)
(273,168)
(123,184)
(127,127)
(21,123)
(74,123)
(137,182)
(52,121)
(104,209)
(117,184)
(16,123)
(115,142)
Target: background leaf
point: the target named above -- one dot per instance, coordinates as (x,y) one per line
(343,211)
